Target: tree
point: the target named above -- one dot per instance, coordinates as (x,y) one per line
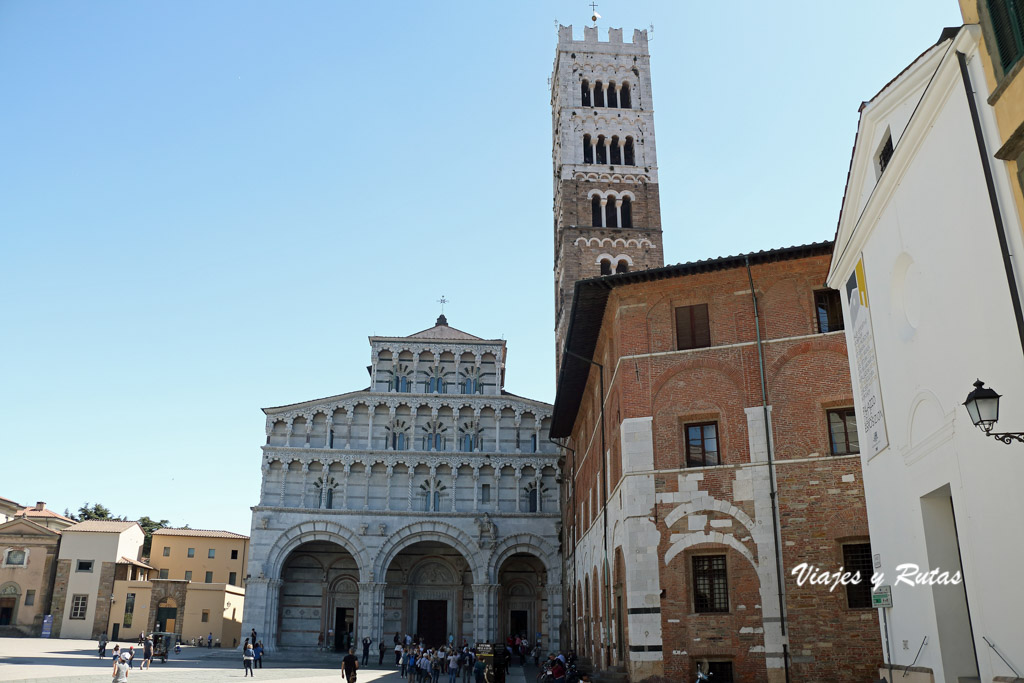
(148,527)
(97,511)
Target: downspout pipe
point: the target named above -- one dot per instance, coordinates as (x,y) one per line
(993,199)
(604,510)
(572,589)
(771,468)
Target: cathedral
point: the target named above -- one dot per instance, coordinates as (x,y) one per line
(427,503)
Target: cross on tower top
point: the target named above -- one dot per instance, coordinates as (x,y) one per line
(442,301)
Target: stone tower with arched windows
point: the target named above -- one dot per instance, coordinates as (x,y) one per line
(607,211)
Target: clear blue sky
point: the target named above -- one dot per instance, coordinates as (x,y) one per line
(206,207)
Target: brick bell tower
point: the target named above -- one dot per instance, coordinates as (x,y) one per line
(607,210)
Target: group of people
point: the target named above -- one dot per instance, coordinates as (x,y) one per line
(252,655)
(124,660)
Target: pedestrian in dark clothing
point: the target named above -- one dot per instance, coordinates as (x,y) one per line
(366,650)
(349,665)
(383,648)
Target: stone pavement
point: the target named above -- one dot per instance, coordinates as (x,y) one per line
(76,661)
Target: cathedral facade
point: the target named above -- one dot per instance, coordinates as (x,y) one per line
(427,503)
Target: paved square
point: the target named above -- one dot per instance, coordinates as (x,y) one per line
(77,661)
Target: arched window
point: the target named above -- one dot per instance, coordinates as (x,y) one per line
(436,386)
(629,160)
(599,94)
(467,443)
(588,150)
(400,442)
(625,101)
(438,442)
(613,100)
(616,151)
(437,501)
(533,443)
(532,499)
(585,93)
(595,211)
(432,385)
(403,384)
(606,267)
(602,149)
(329,499)
(428,441)
(470,385)
(627,212)
(622,267)
(611,220)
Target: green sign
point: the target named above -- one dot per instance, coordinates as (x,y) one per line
(881,596)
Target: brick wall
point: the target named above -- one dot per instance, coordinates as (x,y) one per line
(821,498)
(106,590)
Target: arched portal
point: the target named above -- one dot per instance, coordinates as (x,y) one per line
(522,603)
(429,594)
(319,597)
(10,596)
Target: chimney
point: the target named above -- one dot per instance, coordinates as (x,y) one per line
(40,505)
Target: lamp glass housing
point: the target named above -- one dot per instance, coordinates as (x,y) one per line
(983,406)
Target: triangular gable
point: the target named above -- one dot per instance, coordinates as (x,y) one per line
(444,332)
(888,114)
(24,527)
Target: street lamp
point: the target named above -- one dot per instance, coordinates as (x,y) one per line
(983,406)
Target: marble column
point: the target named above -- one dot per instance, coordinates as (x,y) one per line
(485,607)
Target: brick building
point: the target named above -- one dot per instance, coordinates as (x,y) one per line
(673,548)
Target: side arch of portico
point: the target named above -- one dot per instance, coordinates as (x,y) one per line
(547,553)
(317,530)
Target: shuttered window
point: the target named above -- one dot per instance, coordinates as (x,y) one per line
(692,328)
(1008,26)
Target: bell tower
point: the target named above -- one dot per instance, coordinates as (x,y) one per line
(607,210)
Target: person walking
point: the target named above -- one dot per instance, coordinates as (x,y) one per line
(383,648)
(209,640)
(120,674)
(103,645)
(117,652)
(258,653)
(247,658)
(131,656)
(254,636)
(147,654)
(349,666)
(410,664)
(398,657)
(453,666)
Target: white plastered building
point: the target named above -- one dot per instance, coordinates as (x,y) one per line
(929,305)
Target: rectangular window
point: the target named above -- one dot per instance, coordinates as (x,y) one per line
(702,445)
(209,577)
(885,154)
(857,558)
(232,578)
(84,566)
(710,584)
(206,615)
(234,554)
(211,553)
(167,551)
(129,609)
(30,598)
(842,431)
(721,672)
(828,309)
(188,575)
(693,331)
(1007,18)
(15,558)
(79,606)
(191,552)
(163,574)
(485,493)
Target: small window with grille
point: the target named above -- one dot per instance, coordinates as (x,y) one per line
(857,558)
(710,584)
(885,155)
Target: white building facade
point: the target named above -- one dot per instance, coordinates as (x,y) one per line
(929,309)
(426,504)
